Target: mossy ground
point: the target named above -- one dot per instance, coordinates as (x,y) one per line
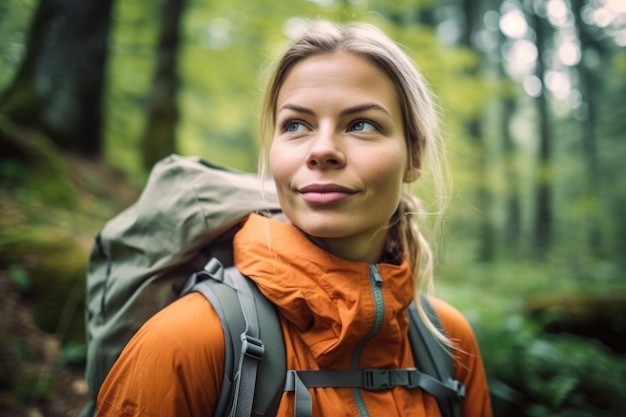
(44,249)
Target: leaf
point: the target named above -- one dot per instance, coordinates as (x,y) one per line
(561,387)
(20,277)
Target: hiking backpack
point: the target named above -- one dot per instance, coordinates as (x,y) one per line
(157,250)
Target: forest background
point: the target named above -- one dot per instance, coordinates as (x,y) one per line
(532,98)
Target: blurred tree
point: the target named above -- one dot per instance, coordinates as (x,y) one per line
(402,13)
(507,101)
(544,179)
(58,88)
(587,84)
(473,11)
(159,137)
(15,19)
(612,113)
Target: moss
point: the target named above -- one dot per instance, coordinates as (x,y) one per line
(31,387)
(55,264)
(32,167)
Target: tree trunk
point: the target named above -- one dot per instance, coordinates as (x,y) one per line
(512,204)
(59,86)
(474,128)
(587,131)
(543,209)
(513,219)
(159,139)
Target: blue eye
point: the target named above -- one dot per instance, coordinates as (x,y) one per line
(293,127)
(362,126)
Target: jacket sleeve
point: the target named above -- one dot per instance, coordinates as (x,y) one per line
(468,367)
(172,366)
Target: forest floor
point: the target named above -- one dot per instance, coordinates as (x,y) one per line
(34,379)
(44,388)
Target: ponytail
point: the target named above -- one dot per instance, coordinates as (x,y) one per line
(406,237)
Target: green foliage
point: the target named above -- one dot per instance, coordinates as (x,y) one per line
(15,17)
(73,354)
(55,269)
(132,48)
(31,167)
(227,48)
(12,171)
(30,387)
(534,374)
(20,277)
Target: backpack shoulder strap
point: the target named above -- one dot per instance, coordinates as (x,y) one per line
(254,347)
(433,358)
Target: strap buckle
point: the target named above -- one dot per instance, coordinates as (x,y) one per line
(253,347)
(377,379)
(414,378)
(459,388)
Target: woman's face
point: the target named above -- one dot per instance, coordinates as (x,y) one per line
(338,155)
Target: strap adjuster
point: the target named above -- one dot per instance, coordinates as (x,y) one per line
(459,388)
(377,379)
(253,347)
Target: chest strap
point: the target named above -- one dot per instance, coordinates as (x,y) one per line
(369,379)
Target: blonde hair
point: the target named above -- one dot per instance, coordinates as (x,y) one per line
(420,127)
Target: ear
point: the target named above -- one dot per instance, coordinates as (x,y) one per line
(413,170)
(411,175)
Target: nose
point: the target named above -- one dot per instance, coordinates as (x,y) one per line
(325,152)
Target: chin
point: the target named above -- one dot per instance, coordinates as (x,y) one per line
(328,224)
(322,231)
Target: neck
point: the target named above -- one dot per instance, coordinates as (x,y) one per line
(353,248)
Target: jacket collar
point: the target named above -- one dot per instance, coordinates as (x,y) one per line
(326,298)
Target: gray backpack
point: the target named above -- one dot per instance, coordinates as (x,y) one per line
(157,250)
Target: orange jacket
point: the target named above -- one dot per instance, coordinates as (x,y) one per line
(174,364)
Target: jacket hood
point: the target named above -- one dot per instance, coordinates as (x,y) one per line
(329,300)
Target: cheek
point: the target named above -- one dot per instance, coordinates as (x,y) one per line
(280,165)
(389,186)
(386,179)
(388,170)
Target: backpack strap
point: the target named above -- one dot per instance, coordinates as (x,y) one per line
(247,316)
(374,379)
(370,379)
(434,372)
(434,358)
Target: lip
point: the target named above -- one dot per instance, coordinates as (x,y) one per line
(323,194)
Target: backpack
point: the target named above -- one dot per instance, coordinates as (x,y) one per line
(157,250)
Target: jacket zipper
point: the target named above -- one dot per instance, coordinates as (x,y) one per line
(376,282)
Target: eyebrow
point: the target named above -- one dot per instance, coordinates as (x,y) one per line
(350,110)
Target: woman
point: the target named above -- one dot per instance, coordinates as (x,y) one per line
(351,122)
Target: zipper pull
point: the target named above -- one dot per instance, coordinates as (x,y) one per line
(375,275)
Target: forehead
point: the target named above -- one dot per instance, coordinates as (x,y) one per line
(338,75)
